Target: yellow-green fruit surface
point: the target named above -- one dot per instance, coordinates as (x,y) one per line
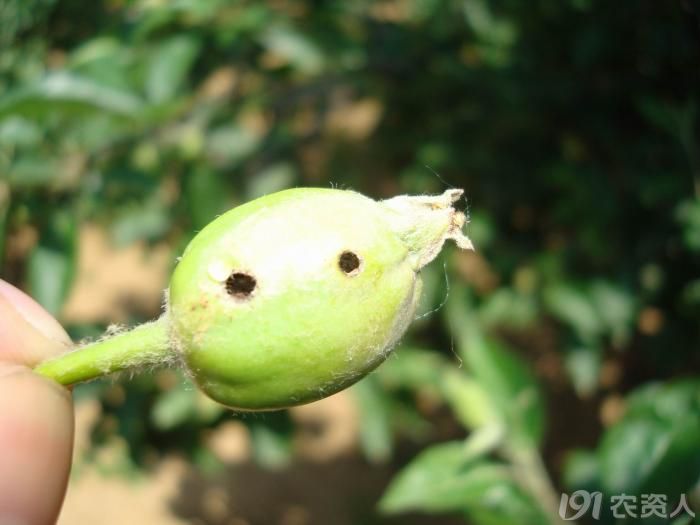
(267,306)
(298,294)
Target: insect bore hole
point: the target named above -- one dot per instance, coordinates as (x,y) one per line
(349,262)
(240,284)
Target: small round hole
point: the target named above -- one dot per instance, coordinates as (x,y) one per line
(240,284)
(349,262)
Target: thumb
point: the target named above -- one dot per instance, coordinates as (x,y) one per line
(36,415)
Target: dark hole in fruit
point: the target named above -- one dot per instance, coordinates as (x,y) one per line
(240,284)
(349,262)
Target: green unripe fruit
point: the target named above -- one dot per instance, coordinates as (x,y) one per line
(293,296)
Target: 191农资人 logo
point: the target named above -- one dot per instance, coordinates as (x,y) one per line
(622,505)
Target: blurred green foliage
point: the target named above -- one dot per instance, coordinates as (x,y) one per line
(572,125)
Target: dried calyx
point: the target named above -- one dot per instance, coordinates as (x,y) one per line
(425,222)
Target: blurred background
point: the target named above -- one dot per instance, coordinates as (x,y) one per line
(562,355)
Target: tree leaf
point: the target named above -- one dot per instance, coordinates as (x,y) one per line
(499,500)
(445,478)
(582,471)
(616,308)
(507,307)
(668,401)
(272,440)
(571,305)
(431,481)
(69,92)
(228,145)
(33,171)
(654,448)
(688,215)
(274,178)
(17,131)
(51,266)
(173,407)
(147,221)
(648,455)
(469,401)
(375,419)
(413,368)
(206,196)
(295,47)
(509,384)
(583,365)
(169,65)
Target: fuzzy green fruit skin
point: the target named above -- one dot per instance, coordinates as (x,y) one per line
(266,310)
(308,329)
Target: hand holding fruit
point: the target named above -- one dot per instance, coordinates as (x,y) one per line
(36,414)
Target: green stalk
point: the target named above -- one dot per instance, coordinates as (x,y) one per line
(534,477)
(146,344)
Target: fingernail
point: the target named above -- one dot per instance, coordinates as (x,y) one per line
(33,313)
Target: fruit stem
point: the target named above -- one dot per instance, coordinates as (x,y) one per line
(147,344)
